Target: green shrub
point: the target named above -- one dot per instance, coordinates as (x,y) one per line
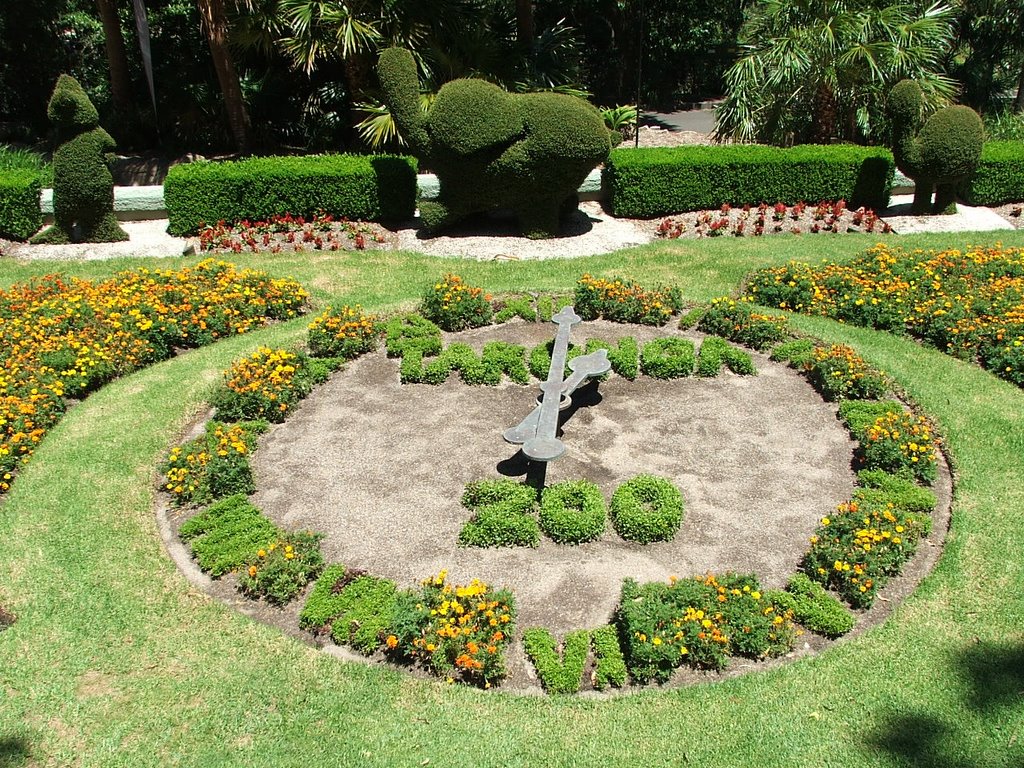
(903,444)
(548,306)
(905,495)
(540,358)
(343,332)
(653,182)
(609,665)
(691,318)
(83,186)
(796,352)
(861,414)
(699,621)
(647,508)
(412,333)
(213,465)
(558,674)
(226,534)
(813,607)
(572,512)
(516,306)
(359,187)
(268,384)
(366,605)
(15,160)
(624,356)
(323,602)
(714,351)
(839,373)
(281,570)
(667,358)
(496,358)
(999,177)
(20,214)
(502,515)
(739,322)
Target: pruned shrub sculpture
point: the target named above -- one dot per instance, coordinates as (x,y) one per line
(494,150)
(83,187)
(938,153)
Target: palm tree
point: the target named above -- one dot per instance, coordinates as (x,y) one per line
(815,70)
(117,58)
(215,23)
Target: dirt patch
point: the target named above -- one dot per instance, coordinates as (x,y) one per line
(1013,213)
(6,618)
(379,467)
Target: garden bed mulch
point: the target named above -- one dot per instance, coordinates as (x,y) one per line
(379,467)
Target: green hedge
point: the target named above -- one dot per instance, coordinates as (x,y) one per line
(655,182)
(360,187)
(20,212)
(1000,175)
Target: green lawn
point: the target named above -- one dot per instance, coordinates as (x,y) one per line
(117,661)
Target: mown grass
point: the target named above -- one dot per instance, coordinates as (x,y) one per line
(117,661)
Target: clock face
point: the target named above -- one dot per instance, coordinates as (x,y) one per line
(380,467)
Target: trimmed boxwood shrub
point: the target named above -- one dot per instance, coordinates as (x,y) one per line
(558,674)
(667,358)
(659,181)
(502,515)
(572,512)
(225,535)
(364,187)
(813,607)
(999,177)
(647,508)
(609,664)
(20,214)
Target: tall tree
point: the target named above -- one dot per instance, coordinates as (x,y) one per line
(117,58)
(215,23)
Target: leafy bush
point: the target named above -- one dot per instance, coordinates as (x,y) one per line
(797,352)
(496,358)
(502,515)
(361,187)
(906,496)
(558,673)
(458,631)
(813,607)
(268,384)
(857,549)
(281,570)
(643,183)
(624,356)
(714,351)
(344,332)
(572,512)
(609,665)
(412,337)
(647,508)
(213,465)
(623,301)
(999,177)
(737,321)
(839,373)
(667,358)
(699,621)
(227,534)
(516,306)
(364,608)
(540,358)
(455,306)
(20,214)
(902,444)
(322,604)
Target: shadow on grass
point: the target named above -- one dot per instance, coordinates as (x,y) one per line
(14,751)
(993,686)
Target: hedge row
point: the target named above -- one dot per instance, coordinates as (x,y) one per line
(1000,175)
(655,182)
(20,214)
(358,187)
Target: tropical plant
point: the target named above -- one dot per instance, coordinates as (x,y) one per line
(812,71)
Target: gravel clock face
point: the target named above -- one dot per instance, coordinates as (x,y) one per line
(380,468)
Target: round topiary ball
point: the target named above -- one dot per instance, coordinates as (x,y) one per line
(646,509)
(572,512)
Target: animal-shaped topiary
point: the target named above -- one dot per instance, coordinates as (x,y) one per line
(83,187)
(937,155)
(492,149)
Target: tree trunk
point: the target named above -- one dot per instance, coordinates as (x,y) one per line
(1018,103)
(215,23)
(826,111)
(524,23)
(117,58)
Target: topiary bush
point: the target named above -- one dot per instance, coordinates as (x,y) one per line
(558,674)
(502,515)
(653,182)
(491,149)
(20,214)
(939,153)
(609,664)
(572,512)
(813,607)
(647,508)
(83,186)
(360,187)
(667,358)
(226,534)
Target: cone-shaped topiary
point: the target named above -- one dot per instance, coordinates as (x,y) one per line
(83,187)
(937,155)
(492,149)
